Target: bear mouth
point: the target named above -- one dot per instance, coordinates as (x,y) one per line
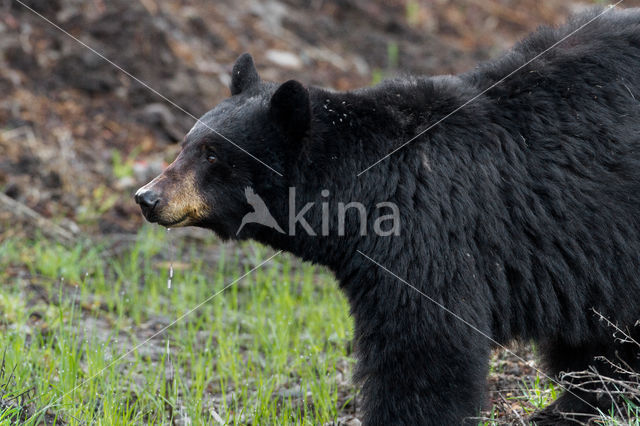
(175,223)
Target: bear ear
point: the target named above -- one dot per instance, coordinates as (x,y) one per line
(291,109)
(244,74)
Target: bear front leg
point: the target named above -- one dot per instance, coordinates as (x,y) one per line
(421,374)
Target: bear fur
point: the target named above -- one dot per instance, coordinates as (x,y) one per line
(519,213)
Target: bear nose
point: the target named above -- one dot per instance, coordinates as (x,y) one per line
(147,200)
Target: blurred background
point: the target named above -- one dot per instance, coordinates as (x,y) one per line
(83,280)
(77,136)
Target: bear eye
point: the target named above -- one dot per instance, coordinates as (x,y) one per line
(211,158)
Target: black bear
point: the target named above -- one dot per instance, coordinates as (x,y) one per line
(514,213)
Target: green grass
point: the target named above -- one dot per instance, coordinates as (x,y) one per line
(82,340)
(123,167)
(267,349)
(539,394)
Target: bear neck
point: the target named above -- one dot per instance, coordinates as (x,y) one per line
(351,131)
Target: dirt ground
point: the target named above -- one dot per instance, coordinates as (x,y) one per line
(78,134)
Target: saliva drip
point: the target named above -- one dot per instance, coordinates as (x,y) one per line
(170,259)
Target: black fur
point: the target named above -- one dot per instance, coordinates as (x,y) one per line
(243,75)
(291,110)
(520,213)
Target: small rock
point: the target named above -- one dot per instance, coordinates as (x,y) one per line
(125,183)
(159,116)
(284,59)
(349,421)
(144,171)
(294,392)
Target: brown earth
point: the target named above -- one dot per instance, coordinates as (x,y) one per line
(65,112)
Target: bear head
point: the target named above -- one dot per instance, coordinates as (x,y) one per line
(274,162)
(244,142)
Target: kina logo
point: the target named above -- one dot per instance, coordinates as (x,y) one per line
(260,214)
(384,225)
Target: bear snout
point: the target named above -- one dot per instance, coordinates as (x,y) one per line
(147,200)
